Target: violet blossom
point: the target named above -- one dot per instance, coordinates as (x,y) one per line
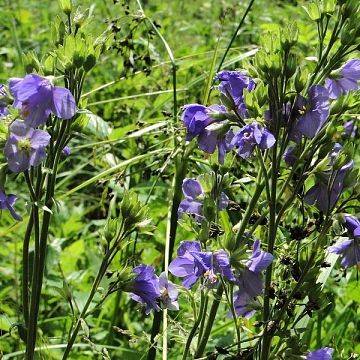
(345,81)
(329,186)
(232,85)
(192,263)
(37,98)
(250,136)
(194,194)
(314,112)
(250,281)
(349,249)
(7,202)
(145,288)
(320,354)
(25,146)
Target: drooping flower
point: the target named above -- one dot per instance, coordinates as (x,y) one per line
(7,202)
(25,146)
(37,98)
(349,249)
(320,354)
(168,293)
(192,263)
(145,288)
(197,117)
(345,81)
(250,280)
(314,111)
(232,85)
(216,136)
(202,122)
(192,204)
(250,136)
(327,190)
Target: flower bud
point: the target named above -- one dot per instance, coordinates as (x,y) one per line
(66,6)
(110,229)
(313,10)
(300,80)
(290,66)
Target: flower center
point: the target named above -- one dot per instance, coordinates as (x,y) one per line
(24,145)
(211,276)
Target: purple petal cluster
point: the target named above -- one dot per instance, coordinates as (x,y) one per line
(313,110)
(250,280)
(194,194)
(149,289)
(346,81)
(192,263)
(25,146)
(37,98)
(325,193)
(7,202)
(250,136)
(320,354)
(232,85)
(349,249)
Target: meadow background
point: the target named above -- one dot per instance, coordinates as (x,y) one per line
(131,104)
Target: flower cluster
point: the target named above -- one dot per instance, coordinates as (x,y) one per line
(211,127)
(150,290)
(36,98)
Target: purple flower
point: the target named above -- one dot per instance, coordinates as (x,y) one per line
(350,128)
(7,202)
(216,136)
(250,136)
(25,146)
(250,281)
(3,105)
(259,260)
(145,288)
(314,111)
(232,85)
(37,98)
(290,155)
(168,293)
(66,151)
(192,263)
(243,304)
(325,193)
(349,249)
(346,81)
(197,117)
(192,204)
(320,354)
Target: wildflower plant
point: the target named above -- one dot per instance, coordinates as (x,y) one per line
(264,189)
